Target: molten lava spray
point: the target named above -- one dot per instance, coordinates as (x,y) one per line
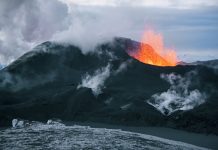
(153,52)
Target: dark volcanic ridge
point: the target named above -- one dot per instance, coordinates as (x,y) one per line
(107,85)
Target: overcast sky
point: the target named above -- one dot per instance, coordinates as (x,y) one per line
(188,26)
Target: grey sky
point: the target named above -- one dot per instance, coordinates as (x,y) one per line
(190,27)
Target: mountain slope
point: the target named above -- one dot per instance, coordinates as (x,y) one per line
(104,85)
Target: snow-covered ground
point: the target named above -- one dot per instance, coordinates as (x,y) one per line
(55,135)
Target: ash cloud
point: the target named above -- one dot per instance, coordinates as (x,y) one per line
(24,24)
(180,95)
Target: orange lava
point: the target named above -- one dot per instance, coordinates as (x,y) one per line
(153,52)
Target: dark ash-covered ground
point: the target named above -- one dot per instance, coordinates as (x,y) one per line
(105,85)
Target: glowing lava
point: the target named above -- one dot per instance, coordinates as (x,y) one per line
(153,52)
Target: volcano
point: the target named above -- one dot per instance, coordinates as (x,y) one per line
(152,51)
(108,85)
(146,54)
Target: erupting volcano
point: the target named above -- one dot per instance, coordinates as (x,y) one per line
(154,52)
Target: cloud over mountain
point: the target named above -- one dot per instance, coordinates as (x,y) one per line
(25,24)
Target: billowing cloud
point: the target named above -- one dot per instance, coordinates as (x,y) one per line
(24,24)
(156,3)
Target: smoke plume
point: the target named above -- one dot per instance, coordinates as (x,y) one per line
(179,96)
(96,81)
(25,24)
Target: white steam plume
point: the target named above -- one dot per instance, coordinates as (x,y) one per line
(123,66)
(178,96)
(96,81)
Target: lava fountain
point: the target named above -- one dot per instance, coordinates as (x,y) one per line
(152,51)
